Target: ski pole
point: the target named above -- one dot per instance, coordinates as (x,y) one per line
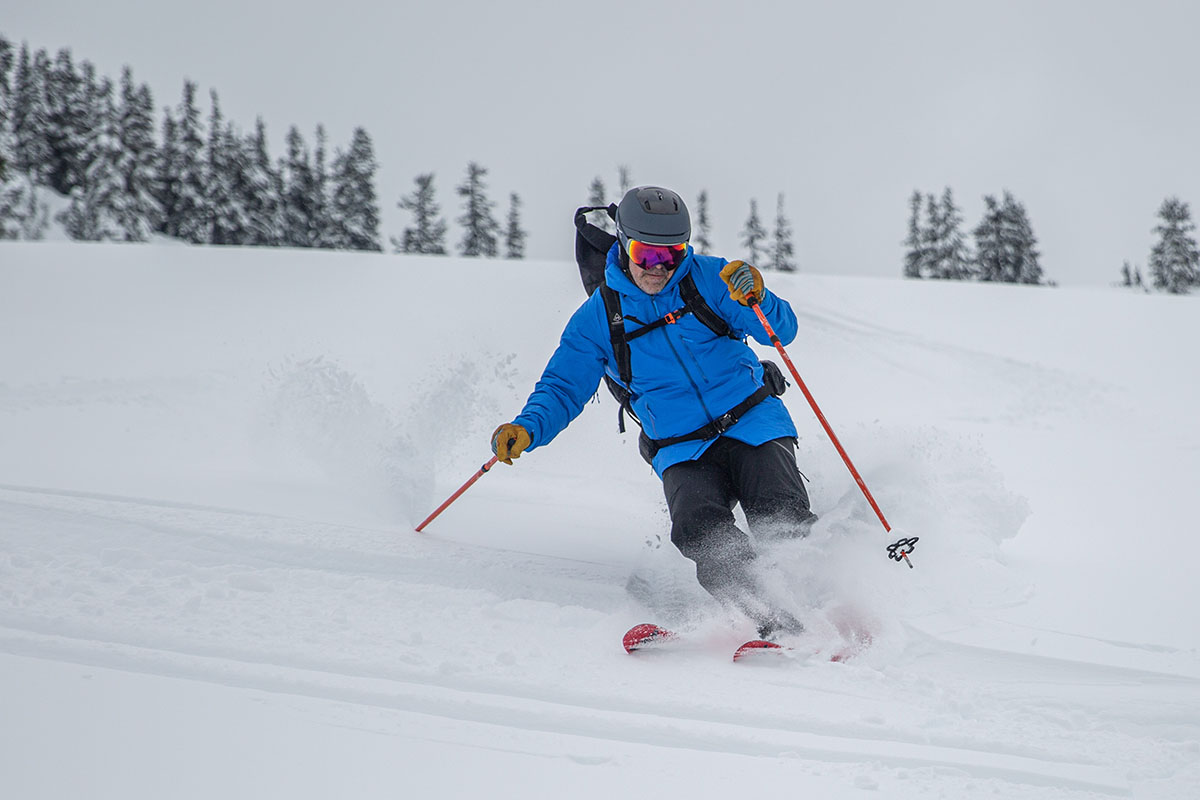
(491,463)
(817,410)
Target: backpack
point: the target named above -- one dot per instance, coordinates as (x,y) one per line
(591,255)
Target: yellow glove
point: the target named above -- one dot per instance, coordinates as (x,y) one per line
(509,441)
(743,280)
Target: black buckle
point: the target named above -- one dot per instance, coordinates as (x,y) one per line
(724,422)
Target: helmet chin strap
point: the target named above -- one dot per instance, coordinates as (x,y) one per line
(623,260)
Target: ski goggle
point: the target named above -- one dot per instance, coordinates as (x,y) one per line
(656,256)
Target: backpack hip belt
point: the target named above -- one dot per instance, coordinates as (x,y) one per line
(649,447)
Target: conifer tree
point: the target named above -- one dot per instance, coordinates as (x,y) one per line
(754,235)
(7,140)
(323,233)
(915,253)
(1026,266)
(1127,275)
(702,232)
(139,212)
(300,206)
(181,171)
(227,217)
(934,234)
(30,116)
(514,234)
(428,233)
(1174,261)
(68,97)
(100,190)
(166,185)
(479,226)
(12,182)
(783,257)
(947,257)
(354,213)
(1006,249)
(262,192)
(597,198)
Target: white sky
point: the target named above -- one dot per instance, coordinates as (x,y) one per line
(1087,111)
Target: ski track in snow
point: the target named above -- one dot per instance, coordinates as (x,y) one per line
(375,618)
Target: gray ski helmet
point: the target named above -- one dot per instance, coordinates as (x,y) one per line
(652,215)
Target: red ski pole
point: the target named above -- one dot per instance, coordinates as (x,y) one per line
(817,410)
(461,489)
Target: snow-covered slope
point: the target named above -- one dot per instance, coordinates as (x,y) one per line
(212,460)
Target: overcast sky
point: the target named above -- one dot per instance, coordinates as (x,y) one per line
(1088,112)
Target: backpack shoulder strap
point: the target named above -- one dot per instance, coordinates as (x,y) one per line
(616,332)
(696,303)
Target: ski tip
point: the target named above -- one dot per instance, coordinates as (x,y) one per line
(644,635)
(756,646)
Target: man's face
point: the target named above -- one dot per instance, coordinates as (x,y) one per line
(652,265)
(650,281)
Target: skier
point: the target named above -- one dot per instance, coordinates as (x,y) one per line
(714,429)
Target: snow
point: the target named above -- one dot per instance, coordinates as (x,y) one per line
(212,461)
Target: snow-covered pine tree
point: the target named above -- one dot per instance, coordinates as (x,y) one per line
(299,193)
(181,169)
(935,231)
(598,198)
(261,191)
(1006,248)
(1025,266)
(479,226)
(427,235)
(948,257)
(754,235)
(22,215)
(1126,275)
(783,252)
(514,234)
(166,184)
(138,213)
(990,248)
(8,59)
(92,215)
(30,116)
(12,183)
(323,233)
(702,230)
(1175,261)
(914,243)
(69,96)
(227,218)
(354,213)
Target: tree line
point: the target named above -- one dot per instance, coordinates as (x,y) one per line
(67,129)
(1005,245)
(1006,248)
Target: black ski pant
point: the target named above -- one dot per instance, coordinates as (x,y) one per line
(701,495)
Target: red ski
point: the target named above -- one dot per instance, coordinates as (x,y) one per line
(759,647)
(648,636)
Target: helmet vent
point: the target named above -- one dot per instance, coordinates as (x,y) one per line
(656,201)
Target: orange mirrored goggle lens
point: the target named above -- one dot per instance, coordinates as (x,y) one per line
(656,256)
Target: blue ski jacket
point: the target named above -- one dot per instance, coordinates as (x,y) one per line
(684,375)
